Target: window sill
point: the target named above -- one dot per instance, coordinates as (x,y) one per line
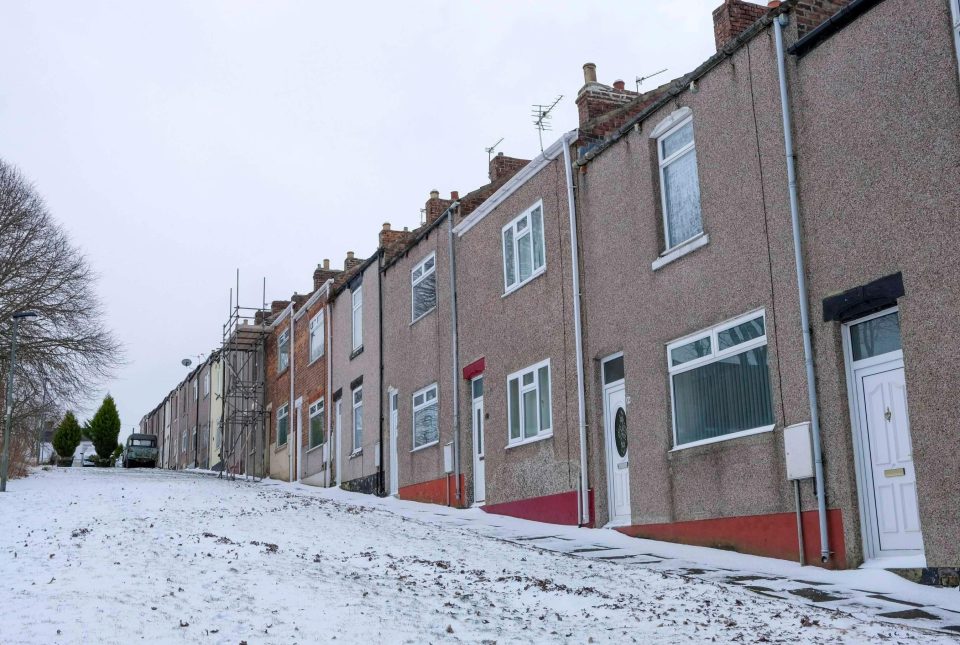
(356,352)
(423,315)
(281,371)
(280,448)
(540,437)
(726,437)
(316,447)
(312,361)
(680,250)
(520,285)
(355,453)
(426,445)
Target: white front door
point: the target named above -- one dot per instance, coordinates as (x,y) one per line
(479,465)
(884,416)
(887,479)
(394,457)
(618,462)
(615,432)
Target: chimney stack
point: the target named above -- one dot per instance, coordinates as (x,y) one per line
(390,239)
(351,261)
(323,273)
(503,167)
(596,99)
(732,18)
(454,195)
(435,207)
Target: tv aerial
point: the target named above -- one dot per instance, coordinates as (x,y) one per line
(641,79)
(491,149)
(542,115)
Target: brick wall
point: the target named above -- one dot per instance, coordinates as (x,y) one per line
(811,13)
(503,167)
(732,18)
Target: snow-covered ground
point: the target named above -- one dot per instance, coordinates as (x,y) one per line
(116,556)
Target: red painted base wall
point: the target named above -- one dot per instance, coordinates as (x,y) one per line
(436,491)
(560,508)
(773,535)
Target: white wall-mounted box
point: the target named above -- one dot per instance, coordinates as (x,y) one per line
(798,448)
(448,458)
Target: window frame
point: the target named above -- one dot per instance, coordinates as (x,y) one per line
(955,15)
(416,408)
(716,354)
(317,323)
(521,390)
(316,408)
(283,412)
(283,355)
(527,215)
(355,417)
(206,383)
(356,325)
(675,124)
(196,390)
(415,281)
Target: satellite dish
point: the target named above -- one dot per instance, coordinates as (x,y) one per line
(186,362)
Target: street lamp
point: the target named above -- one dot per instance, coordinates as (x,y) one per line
(5,463)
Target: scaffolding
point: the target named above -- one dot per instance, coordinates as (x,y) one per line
(243,424)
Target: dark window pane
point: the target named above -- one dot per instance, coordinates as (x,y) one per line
(727,396)
(690,351)
(741,333)
(478,388)
(613,370)
(874,337)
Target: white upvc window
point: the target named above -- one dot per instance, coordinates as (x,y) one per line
(679,181)
(426,430)
(318,421)
(283,424)
(316,336)
(283,350)
(524,255)
(528,404)
(423,287)
(206,384)
(955,13)
(720,383)
(358,419)
(357,320)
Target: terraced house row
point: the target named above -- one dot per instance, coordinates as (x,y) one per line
(710,305)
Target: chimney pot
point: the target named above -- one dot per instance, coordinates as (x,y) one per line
(618,85)
(406,229)
(349,255)
(386,226)
(589,73)
(454,195)
(326,264)
(434,194)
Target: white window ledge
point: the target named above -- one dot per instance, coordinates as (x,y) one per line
(726,437)
(423,315)
(518,285)
(680,250)
(355,453)
(539,437)
(319,445)
(426,445)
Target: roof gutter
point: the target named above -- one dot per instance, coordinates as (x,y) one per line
(802,289)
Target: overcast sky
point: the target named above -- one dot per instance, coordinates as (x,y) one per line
(178,141)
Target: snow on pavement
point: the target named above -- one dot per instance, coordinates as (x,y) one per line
(117,556)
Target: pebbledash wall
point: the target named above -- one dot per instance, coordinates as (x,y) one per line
(879,164)
(866,216)
(513,323)
(355,383)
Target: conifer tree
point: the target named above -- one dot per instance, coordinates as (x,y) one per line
(67,436)
(105,428)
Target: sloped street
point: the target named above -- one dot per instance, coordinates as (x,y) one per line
(114,556)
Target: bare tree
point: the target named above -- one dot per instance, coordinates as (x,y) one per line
(69,346)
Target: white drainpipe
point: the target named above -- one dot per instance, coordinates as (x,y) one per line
(802,289)
(577,331)
(292,416)
(327,395)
